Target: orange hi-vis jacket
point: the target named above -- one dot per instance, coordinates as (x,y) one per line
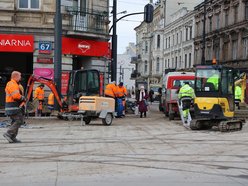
(110,90)
(39,94)
(13,98)
(121,91)
(51,99)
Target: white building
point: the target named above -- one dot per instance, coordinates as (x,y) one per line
(178,46)
(125,68)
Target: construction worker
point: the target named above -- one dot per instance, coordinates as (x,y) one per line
(238,93)
(39,94)
(13,109)
(121,93)
(214,79)
(185,95)
(110,90)
(50,102)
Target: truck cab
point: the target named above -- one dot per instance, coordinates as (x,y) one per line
(172,82)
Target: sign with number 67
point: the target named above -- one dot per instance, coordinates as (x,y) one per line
(45,47)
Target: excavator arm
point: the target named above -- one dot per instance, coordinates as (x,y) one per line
(48,82)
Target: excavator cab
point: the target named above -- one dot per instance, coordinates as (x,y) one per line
(214,102)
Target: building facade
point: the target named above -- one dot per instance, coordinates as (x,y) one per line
(27,37)
(178,47)
(226,28)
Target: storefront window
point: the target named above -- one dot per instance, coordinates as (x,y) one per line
(29,4)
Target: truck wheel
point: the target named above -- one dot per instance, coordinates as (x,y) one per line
(108,119)
(87,120)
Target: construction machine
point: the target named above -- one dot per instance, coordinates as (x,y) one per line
(81,83)
(214,102)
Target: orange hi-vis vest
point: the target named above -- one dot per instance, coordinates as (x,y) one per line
(13,98)
(39,94)
(121,91)
(110,90)
(51,99)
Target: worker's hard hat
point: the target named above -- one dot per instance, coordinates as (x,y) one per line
(121,83)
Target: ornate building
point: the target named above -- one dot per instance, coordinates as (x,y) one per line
(226,37)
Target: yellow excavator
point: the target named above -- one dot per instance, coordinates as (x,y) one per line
(214,103)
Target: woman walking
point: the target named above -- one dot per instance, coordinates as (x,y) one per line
(142,101)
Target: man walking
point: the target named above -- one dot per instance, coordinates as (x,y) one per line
(12,107)
(185,95)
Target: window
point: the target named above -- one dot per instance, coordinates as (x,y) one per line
(190,32)
(218,21)
(177,38)
(234,49)
(186,34)
(173,40)
(217,52)
(165,63)
(146,47)
(189,60)
(158,65)
(226,18)
(176,63)
(166,43)
(225,51)
(245,48)
(169,42)
(168,63)
(246,10)
(158,41)
(172,61)
(185,61)
(210,24)
(180,61)
(235,14)
(29,4)
(146,67)
(181,36)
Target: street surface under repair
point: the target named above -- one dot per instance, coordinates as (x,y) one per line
(132,151)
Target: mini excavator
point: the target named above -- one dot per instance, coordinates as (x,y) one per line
(214,102)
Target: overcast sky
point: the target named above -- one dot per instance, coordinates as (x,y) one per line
(125,28)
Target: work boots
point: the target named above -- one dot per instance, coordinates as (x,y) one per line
(10,139)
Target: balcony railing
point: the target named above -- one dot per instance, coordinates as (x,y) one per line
(87,20)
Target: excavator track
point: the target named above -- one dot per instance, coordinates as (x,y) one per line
(231,125)
(200,124)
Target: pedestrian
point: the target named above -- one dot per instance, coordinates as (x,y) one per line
(185,95)
(39,94)
(151,94)
(14,100)
(142,101)
(238,93)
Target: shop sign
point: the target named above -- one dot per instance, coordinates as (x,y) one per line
(47,60)
(45,47)
(64,82)
(73,46)
(16,43)
(49,74)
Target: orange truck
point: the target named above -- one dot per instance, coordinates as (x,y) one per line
(172,82)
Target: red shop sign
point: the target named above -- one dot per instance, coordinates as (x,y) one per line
(16,43)
(84,47)
(64,82)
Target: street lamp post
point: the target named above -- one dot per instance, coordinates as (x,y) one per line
(57,49)
(114,44)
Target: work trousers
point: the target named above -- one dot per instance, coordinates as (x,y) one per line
(16,121)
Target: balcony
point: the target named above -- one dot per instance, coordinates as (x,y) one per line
(134,60)
(135,75)
(90,23)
